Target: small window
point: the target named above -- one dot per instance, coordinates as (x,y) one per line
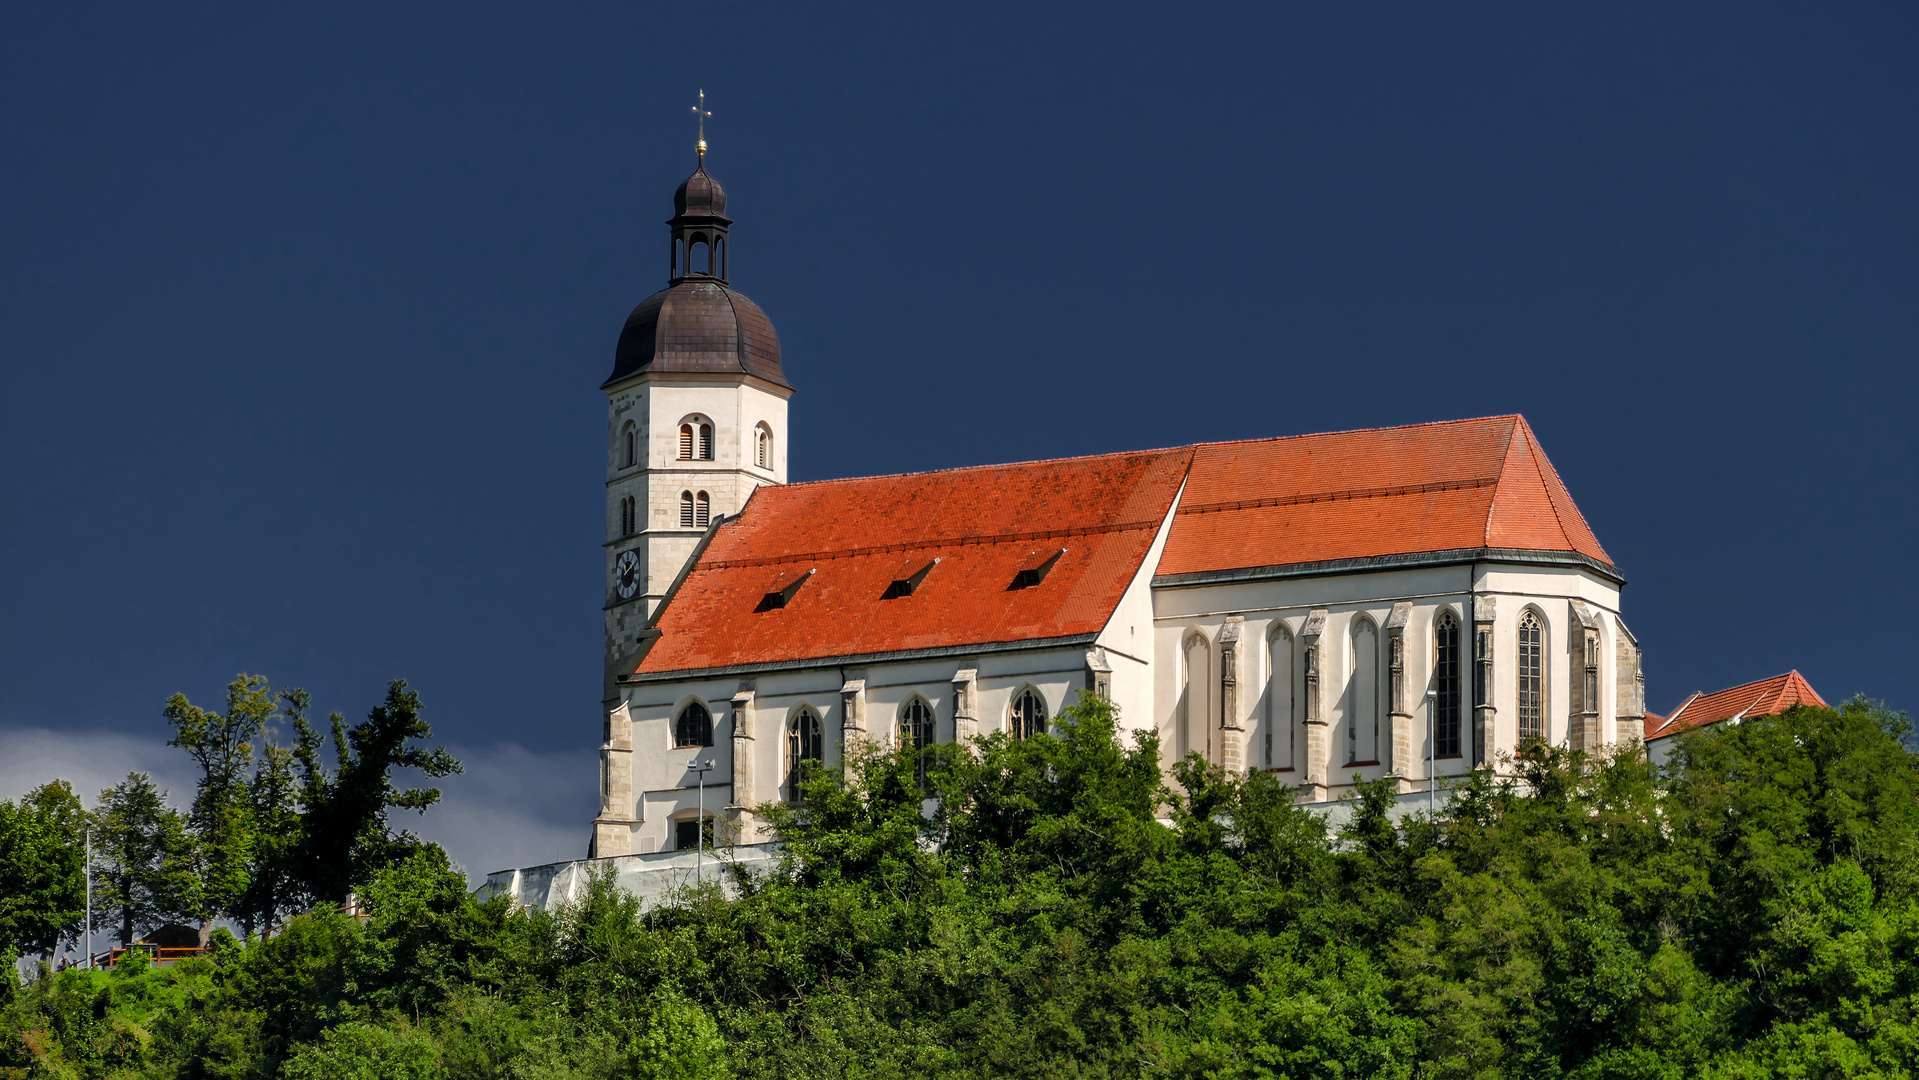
(686,510)
(1028,716)
(702,510)
(630,453)
(763,447)
(694,727)
(706,442)
(805,741)
(1531,678)
(690,833)
(916,731)
(629,516)
(686,442)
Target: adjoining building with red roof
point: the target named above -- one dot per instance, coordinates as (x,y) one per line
(1766,697)
(1397,602)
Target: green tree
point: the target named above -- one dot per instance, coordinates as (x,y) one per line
(346,834)
(42,868)
(132,831)
(221,744)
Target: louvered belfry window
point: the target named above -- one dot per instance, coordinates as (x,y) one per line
(1531,678)
(686,509)
(686,442)
(1446,680)
(702,510)
(706,442)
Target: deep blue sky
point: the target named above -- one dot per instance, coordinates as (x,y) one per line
(304,309)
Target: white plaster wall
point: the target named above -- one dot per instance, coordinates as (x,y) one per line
(1182,609)
(1129,635)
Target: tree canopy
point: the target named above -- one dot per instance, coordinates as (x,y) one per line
(1752,910)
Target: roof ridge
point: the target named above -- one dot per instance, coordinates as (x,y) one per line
(981,468)
(1359,431)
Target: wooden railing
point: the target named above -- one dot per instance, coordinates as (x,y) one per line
(161,957)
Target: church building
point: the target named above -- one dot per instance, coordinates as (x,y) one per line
(1409,602)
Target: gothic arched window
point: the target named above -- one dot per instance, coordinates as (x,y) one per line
(702,510)
(916,731)
(686,509)
(1446,684)
(763,447)
(706,442)
(1028,716)
(1280,700)
(686,442)
(1362,714)
(1532,680)
(1191,711)
(805,741)
(694,726)
(630,452)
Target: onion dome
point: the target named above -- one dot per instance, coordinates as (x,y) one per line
(699,323)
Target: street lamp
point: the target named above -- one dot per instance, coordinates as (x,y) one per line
(699,844)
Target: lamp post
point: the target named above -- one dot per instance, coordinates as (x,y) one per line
(89,898)
(1432,752)
(699,844)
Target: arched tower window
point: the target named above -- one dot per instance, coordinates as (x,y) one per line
(686,442)
(1532,677)
(1448,700)
(1362,690)
(1281,701)
(805,741)
(702,510)
(693,727)
(706,442)
(916,732)
(763,446)
(630,451)
(1028,717)
(686,509)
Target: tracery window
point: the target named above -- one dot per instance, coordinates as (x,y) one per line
(805,741)
(1362,729)
(686,509)
(1280,700)
(1531,677)
(1028,717)
(916,731)
(1446,702)
(694,726)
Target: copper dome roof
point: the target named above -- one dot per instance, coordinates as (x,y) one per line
(699,195)
(698,326)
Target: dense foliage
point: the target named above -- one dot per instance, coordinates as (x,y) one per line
(1063,914)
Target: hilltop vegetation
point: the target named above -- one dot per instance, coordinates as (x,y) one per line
(1064,914)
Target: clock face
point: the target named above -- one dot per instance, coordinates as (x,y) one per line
(626,575)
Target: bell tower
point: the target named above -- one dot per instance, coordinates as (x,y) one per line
(696,416)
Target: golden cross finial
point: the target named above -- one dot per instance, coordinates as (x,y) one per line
(700,112)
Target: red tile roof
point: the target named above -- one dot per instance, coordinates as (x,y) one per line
(1465,484)
(1767,697)
(1384,491)
(985,525)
